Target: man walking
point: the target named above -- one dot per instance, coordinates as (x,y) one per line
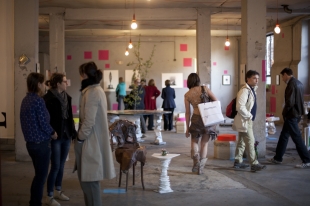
(292,113)
(246,105)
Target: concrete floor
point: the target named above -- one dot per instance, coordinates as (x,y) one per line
(220,185)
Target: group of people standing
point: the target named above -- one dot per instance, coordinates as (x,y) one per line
(143,97)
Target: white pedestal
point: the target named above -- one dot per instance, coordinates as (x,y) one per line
(158,137)
(164,182)
(224,149)
(136,120)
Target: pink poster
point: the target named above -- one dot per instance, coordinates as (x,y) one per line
(214,63)
(114,106)
(226,48)
(273,104)
(69,57)
(185,83)
(282,35)
(107,66)
(74,109)
(183,47)
(225,72)
(103,54)
(263,70)
(87,55)
(187,62)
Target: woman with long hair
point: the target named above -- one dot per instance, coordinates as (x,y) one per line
(151,93)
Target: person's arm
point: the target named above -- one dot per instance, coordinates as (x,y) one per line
(242,99)
(290,98)
(41,114)
(173,93)
(90,111)
(163,94)
(157,92)
(187,116)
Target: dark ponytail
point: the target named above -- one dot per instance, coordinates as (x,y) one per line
(92,72)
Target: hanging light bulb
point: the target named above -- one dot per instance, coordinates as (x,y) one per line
(126,52)
(134,25)
(130,44)
(277,28)
(227,42)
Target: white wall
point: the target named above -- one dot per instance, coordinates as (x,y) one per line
(166,50)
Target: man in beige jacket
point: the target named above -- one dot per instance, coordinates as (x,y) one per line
(246,106)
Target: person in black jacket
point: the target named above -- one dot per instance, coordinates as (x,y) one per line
(168,95)
(292,113)
(58,104)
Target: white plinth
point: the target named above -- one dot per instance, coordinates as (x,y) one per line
(164,182)
(158,137)
(136,120)
(224,149)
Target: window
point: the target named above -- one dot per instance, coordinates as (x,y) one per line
(269,57)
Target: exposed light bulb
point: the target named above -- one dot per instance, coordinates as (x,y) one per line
(227,43)
(134,25)
(126,52)
(130,44)
(277,29)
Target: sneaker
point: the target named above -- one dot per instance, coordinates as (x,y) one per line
(50,201)
(241,165)
(257,167)
(303,165)
(272,160)
(61,196)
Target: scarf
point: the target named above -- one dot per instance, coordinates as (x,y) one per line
(86,83)
(63,99)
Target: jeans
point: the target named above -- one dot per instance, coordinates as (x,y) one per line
(168,119)
(142,123)
(120,100)
(246,142)
(60,149)
(40,154)
(290,128)
(151,121)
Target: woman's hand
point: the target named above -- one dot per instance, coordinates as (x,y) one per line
(153,97)
(187,134)
(54,136)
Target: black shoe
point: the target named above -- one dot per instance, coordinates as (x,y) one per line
(150,129)
(241,165)
(257,167)
(273,161)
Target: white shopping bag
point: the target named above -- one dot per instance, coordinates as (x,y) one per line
(211,113)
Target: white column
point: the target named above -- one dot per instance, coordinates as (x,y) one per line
(203,45)
(253,41)
(57,42)
(26,33)
(7,68)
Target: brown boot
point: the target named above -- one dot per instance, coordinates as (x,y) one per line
(196,162)
(202,165)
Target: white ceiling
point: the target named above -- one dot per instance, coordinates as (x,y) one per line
(226,15)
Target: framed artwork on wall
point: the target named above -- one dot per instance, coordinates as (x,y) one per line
(226,80)
(176,79)
(128,79)
(110,80)
(278,79)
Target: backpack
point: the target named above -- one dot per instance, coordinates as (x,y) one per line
(231,110)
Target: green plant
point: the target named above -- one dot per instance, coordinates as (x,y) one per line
(140,70)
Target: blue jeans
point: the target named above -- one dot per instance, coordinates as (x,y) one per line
(290,128)
(60,150)
(40,154)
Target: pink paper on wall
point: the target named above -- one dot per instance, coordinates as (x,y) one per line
(103,54)
(273,104)
(183,47)
(69,57)
(114,106)
(185,83)
(225,72)
(187,62)
(263,70)
(87,55)
(214,63)
(282,35)
(273,89)
(107,66)
(74,109)
(226,48)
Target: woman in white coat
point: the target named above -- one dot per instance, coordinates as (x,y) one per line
(94,160)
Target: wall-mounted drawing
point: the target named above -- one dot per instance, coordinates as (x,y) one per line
(110,80)
(277,79)
(226,80)
(176,79)
(128,79)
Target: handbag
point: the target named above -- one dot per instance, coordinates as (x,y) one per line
(210,112)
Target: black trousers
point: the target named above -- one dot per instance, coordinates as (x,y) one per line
(168,119)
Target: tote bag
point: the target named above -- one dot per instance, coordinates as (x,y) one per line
(211,113)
